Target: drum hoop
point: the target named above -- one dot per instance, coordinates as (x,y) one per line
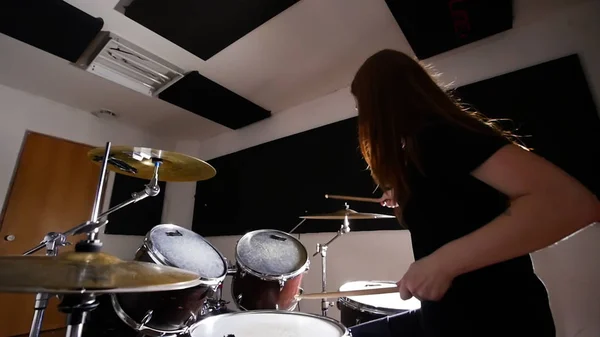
(346,332)
(158,258)
(144,329)
(356,305)
(368,308)
(268,277)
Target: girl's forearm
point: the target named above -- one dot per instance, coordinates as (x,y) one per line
(532,222)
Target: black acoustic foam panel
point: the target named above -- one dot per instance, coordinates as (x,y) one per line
(435,26)
(50,25)
(138,218)
(551,106)
(270,185)
(208,99)
(204,28)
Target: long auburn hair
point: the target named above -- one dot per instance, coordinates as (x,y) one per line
(396,99)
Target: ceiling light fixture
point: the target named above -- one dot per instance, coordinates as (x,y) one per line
(105,114)
(122,62)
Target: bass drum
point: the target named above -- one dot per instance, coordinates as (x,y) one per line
(270,266)
(172,312)
(360,309)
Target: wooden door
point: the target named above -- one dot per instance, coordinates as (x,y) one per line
(52,190)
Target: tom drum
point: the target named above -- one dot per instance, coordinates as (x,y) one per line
(270,265)
(172,312)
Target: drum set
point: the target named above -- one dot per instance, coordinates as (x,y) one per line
(174,285)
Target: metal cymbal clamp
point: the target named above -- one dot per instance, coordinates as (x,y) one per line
(52,241)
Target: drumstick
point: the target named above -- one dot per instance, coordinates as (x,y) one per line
(350,198)
(334,294)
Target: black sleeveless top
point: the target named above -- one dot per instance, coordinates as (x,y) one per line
(446,203)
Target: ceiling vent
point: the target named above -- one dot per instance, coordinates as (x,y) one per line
(120,61)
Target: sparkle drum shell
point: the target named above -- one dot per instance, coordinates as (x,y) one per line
(156,313)
(270,265)
(360,309)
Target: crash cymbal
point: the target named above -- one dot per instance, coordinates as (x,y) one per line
(137,162)
(351,214)
(88,273)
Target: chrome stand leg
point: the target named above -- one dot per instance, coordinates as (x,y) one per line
(75,327)
(325,305)
(52,241)
(77,307)
(41,302)
(322,249)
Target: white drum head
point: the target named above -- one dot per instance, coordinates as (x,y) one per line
(268,324)
(383,301)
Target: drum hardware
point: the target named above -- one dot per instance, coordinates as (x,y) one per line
(322,249)
(345,215)
(87,272)
(231,268)
(52,241)
(150,190)
(296,227)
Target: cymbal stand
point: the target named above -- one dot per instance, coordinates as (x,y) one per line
(322,249)
(150,190)
(53,241)
(77,306)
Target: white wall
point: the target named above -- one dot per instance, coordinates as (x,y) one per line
(21,112)
(543,31)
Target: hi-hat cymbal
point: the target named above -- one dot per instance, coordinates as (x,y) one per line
(137,162)
(351,214)
(88,273)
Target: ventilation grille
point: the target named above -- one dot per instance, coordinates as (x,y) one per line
(120,61)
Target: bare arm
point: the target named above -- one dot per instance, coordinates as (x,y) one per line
(547,205)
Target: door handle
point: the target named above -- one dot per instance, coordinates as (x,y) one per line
(10,238)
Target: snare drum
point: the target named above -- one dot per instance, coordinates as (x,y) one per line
(360,309)
(269,324)
(270,265)
(172,312)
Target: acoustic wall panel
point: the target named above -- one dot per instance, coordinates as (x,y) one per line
(204,28)
(210,100)
(270,185)
(50,25)
(435,26)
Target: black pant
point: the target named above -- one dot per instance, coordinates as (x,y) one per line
(406,324)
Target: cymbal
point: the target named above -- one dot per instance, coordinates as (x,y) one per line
(351,214)
(137,162)
(88,273)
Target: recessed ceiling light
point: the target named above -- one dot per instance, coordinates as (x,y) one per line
(105,114)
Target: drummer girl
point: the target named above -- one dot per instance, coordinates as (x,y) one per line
(476,204)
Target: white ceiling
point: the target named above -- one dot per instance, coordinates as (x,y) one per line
(308,51)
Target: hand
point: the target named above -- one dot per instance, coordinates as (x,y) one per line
(425,279)
(388,200)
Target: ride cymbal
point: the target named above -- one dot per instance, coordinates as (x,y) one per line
(138,162)
(351,214)
(88,273)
